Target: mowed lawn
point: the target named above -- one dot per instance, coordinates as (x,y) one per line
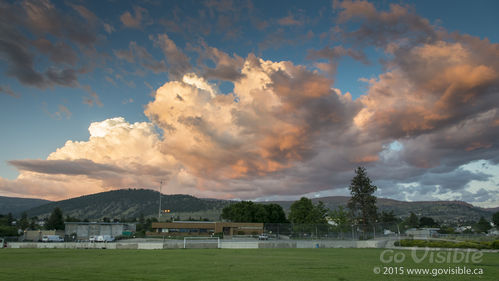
(219,264)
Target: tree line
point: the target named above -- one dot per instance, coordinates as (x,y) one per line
(362,208)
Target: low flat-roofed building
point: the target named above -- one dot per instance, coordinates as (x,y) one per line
(205,228)
(83,230)
(36,235)
(423,233)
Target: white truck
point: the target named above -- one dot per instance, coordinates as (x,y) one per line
(104,238)
(52,238)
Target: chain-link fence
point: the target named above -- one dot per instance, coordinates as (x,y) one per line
(328,231)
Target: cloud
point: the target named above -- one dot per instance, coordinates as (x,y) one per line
(333,55)
(108,28)
(7,90)
(290,20)
(178,62)
(64,167)
(58,53)
(63,111)
(55,33)
(85,13)
(380,28)
(226,67)
(20,62)
(284,129)
(65,77)
(95,165)
(93,98)
(142,56)
(42,17)
(280,110)
(134,21)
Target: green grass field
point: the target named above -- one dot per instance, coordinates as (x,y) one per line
(220,264)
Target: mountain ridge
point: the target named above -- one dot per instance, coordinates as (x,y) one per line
(131,203)
(17,205)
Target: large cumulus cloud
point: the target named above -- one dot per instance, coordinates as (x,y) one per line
(285,129)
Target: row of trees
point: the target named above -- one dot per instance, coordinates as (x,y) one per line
(7,227)
(362,208)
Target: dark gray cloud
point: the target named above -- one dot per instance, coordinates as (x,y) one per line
(55,34)
(64,77)
(20,61)
(65,167)
(380,28)
(58,53)
(111,175)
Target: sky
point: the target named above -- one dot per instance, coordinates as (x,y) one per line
(255,100)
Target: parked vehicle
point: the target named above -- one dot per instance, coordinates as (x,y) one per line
(104,238)
(52,238)
(263,237)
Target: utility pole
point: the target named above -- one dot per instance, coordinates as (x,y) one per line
(159,210)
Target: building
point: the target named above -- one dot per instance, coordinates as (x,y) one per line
(83,230)
(423,233)
(204,228)
(36,235)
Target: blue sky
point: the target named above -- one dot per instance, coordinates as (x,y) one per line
(67,65)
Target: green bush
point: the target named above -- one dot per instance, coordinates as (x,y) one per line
(448,244)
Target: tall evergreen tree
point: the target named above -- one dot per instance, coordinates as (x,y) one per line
(362,204)
(482,226)
(412,220)
(56,220)
(24,223)
(495,219)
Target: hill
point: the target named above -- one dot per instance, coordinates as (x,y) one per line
(129,203)
(443,211)
(17,205)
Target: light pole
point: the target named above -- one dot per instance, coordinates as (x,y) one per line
(159,209)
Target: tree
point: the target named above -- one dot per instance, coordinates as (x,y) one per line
(275,213)
(71,219)
(247,211)
(56,220)
(427,222)
(24,223)
(387,217)
(362,204)
(495,219)
(340,216)
(303,211)
(10,219)
(412,221)
(482,225)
